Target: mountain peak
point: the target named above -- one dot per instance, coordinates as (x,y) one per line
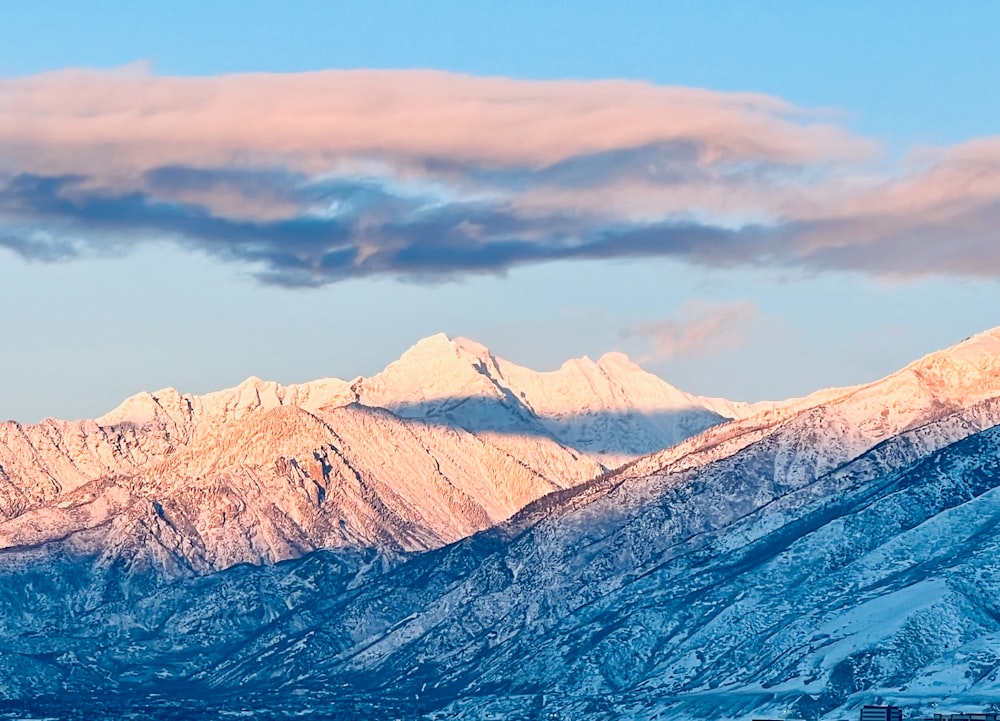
(441,345)
(987,342)
(471,347)
(142,407)
(460,380)
(618,361)
(437,340)
(965,371)
(252,382)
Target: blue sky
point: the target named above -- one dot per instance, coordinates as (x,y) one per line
(89,328)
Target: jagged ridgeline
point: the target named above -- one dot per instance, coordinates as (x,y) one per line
(447,441)
(458,536)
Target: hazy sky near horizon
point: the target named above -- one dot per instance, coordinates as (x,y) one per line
(754,200)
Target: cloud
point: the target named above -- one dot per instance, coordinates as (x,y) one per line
(313,178)
(308,120)
(371,231)
(700,328)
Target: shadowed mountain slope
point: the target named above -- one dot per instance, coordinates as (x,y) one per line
(800,562)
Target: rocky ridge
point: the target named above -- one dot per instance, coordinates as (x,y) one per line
(447,441)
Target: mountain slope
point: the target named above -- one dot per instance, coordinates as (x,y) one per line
(282,482)
(632,586)
(800,561)
(447,441)
(849,586)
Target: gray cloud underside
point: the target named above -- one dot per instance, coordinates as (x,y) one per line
(373,232)
(675,163)
(355,228)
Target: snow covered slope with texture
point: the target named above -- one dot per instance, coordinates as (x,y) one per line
(281,482)
(845,552)
(797,562)
(447,441)
(610,409)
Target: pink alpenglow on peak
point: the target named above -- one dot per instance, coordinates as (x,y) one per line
(446,441)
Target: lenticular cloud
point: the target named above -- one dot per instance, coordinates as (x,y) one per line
(316,177)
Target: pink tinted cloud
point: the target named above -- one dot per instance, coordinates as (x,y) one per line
(699,328)
(939,215)
(97,122)
(321,176)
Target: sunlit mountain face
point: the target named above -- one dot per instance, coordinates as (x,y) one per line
(461,537)
(447,441)
(253,464)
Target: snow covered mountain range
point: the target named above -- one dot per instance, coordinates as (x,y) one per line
(447,441)
(797,561)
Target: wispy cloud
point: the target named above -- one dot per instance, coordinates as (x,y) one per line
(316,177)
(315,120)
(700,328)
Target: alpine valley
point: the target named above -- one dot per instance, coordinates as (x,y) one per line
(461,537)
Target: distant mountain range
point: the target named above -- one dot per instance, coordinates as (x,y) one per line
(466,538)
(447,441)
